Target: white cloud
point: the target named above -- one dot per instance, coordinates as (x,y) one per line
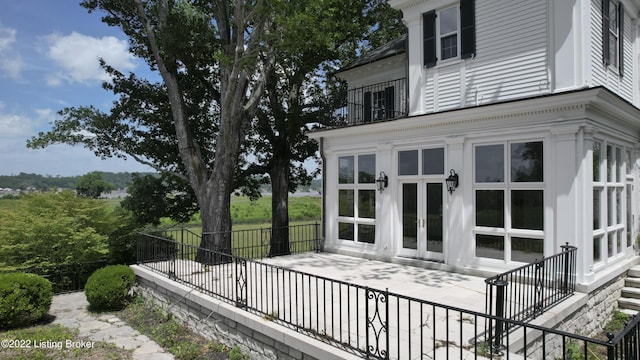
(77,55)
(14,126)
(11,63)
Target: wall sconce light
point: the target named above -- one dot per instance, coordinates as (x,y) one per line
(452,181)
(383,181)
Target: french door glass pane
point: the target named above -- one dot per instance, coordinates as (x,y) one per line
(490,208)
(490,246)
(410,216)
(434,217)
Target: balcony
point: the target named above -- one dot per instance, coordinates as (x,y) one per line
(378,102)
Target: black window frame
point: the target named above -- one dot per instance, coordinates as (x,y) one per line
(606,50)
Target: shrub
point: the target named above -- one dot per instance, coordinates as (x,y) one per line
(108,288)
(24,299)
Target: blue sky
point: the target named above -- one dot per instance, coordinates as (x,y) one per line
(49,52)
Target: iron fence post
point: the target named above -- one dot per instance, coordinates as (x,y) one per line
(565,275)
(611,353)
(241,283)
(377,323)
(317,237)
(500,302)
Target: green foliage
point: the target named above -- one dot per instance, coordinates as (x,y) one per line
(108,288)
(246,211)
(152,198)
(54,228)
(166,330)
(92,185)
(24,299)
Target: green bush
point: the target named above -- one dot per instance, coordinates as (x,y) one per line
(24,299)
(108,288)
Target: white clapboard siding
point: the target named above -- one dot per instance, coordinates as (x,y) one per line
(511,58)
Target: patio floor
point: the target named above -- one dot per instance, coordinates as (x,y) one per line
(456,290)
(415,331)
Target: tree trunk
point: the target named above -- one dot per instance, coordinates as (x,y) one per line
(280,207)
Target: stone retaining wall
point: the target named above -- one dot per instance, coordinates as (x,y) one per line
(215,319)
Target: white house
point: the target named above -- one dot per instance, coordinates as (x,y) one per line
(535,105)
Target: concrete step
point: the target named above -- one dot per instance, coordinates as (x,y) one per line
(634,271)
(627,303)
(632,282)
(630,292)
(629,312)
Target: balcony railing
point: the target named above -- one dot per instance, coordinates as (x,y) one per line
(373,323)
(528,291)
(377,102)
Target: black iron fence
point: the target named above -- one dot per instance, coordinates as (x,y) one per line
(65,278)
(252,243)
(526,292)
(377,102)
(372,323)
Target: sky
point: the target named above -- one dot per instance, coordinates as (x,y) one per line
(49,51)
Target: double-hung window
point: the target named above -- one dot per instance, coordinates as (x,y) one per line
(449,33)
(612,34)
(509,201)
(357,198)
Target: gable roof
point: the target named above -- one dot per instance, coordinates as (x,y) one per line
(394,47)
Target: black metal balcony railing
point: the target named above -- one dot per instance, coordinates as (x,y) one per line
(373,323)
(377,102)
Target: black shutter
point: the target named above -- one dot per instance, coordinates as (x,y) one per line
(389,102)
(367,107)
(429,38)
(621,39)
(605,32)
(468,30)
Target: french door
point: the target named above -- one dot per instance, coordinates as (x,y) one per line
(422,220)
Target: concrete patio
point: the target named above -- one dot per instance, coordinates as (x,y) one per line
(333,309)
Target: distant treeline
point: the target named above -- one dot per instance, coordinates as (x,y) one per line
(122,180)
(25,181)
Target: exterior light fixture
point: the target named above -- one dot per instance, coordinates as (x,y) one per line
(383,181)
(452,181)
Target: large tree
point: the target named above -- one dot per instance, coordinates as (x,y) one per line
(213,57)
(297,92)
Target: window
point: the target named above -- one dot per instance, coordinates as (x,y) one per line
(425,162)
(611,201)
(357,198)
(612,34)
(449,33)
(509,201)
(379,105)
